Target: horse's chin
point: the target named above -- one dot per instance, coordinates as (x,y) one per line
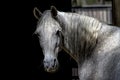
(51,70)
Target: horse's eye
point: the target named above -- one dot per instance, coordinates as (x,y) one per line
(56,45)
(58,33)
(37,34)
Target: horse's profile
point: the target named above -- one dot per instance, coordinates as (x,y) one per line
(95,46)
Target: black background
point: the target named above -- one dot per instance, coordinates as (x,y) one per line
(65,68)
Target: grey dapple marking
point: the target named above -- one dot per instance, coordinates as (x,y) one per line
(94,45)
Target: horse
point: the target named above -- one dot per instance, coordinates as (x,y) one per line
(94,45)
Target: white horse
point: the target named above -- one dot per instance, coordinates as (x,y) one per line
(93,45)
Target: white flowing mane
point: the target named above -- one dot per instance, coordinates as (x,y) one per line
(80,32)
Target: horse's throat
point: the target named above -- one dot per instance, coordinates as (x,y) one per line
(73,55)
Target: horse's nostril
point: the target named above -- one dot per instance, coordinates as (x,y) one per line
(53,66)
(43,61)
(46,66)
(54,60)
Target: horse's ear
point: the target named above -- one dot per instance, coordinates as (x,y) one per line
(37,13)
(53,11)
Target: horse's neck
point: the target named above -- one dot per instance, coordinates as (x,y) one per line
(78,33)
(67,27)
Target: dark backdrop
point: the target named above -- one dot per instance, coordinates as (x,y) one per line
(65,69)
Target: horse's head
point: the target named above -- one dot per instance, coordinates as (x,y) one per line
(49,33)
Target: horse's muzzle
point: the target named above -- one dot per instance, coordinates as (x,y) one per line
(50,65)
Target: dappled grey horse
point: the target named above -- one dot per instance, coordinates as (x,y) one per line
(95,46)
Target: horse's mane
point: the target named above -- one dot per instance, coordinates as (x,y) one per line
(80,32)
(45,15)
